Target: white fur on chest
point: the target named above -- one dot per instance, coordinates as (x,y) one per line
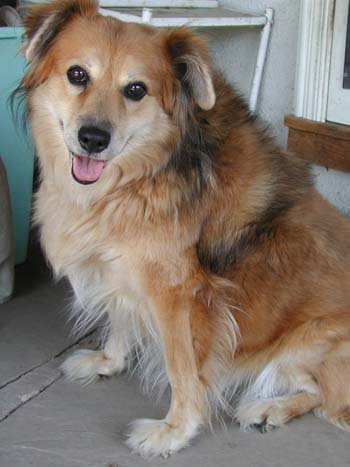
(103,281)
(98,265)
(102,288)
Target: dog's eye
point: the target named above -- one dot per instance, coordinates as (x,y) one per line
(135,91)
(77,75)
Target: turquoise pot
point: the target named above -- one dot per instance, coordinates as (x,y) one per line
(16,149)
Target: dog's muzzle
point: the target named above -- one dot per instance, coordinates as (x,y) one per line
(87,169)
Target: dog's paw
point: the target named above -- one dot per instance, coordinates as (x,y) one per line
(86,366)
(265,415)
(151,438)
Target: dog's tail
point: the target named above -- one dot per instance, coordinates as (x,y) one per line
(333,376)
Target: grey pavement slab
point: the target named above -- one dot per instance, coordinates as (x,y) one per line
(34,381)
(33,325)
(49,422)
(74,426)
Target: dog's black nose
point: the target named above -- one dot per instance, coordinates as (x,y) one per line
(93,139)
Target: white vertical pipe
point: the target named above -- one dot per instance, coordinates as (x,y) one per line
(146,15)
(302,57)
(261,59)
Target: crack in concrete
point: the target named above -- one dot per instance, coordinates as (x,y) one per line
(42,386)
(32,396)
(61,352)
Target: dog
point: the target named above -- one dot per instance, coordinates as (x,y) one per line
(173,213)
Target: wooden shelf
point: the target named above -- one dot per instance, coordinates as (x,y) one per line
(160,3)
(196,17)
(326,144)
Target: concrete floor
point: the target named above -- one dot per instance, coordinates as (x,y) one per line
(48,422)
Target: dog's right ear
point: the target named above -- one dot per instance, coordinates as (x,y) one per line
(43,22)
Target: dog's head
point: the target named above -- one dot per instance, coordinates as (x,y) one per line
(107,96)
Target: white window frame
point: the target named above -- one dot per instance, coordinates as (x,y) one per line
(338,109)
(314,59)
(320,62)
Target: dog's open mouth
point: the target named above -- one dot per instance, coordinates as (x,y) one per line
(86,170)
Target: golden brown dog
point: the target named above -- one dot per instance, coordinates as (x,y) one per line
(172,212)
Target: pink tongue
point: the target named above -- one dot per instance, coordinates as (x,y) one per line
(86,169)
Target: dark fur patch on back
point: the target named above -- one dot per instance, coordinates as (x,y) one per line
(228,254)
(193,157)
(204,133)
(293,178)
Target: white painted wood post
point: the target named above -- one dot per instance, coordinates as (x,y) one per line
(313,60)
(146,15)
(261,59)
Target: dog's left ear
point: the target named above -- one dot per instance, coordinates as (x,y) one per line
(192,66)
(43,22)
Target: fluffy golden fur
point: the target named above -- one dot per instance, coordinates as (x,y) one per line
(199,236)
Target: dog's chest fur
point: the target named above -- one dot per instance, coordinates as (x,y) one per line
(99,264)
(105,255)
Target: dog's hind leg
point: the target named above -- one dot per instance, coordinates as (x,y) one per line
(333,377)
(311,371)
(267,414)
(279,394)
(86,366)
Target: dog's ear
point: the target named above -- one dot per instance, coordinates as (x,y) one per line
(43,22)
(192,66)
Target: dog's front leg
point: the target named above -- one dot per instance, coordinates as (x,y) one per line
(86,366)
(174,311)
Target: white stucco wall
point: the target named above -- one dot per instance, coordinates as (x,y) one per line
(335,186)
(235,53)
(236,49)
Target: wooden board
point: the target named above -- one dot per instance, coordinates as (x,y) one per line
(152,3)
(196,17)
(188,13)
(160,3)
(326,144)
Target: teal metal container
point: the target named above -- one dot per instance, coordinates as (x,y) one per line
(16,149)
